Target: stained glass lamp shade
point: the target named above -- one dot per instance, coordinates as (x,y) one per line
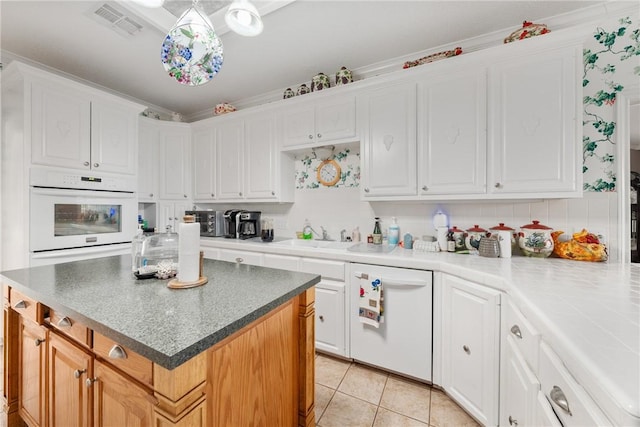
(192,51)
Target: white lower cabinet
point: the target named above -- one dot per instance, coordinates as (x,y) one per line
(519,389)
(241,257)
(543,414)
(470,346)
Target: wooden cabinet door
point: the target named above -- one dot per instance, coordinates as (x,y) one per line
(335,118)
(204,164)
(148,153)
(388,135)
(113,138)
(119,401)
(32,395)
(470,330)
(452,134)
(298,125)
(174,161)
(229,160)
(330,318)
(519,389)
(70,401)
(60,126)
(536,120)
(261,157)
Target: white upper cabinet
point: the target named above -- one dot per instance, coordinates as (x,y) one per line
(229,159)
(387,118)
(72,128)
(204,163)
(175,150)
(148,146)
(261,159)
(452,117)
(535,130)
(329,119)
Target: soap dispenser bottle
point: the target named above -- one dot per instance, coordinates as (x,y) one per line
(307,232)
(394,232)
(136,249)
(377,233)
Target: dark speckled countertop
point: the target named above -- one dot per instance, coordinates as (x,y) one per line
(167,326)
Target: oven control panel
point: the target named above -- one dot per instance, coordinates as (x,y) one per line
(52,178)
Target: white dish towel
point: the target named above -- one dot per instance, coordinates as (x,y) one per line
(371,311)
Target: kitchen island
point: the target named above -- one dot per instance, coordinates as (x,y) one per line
(88,344)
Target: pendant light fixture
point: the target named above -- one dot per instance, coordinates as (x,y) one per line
(243,18)
(192,51)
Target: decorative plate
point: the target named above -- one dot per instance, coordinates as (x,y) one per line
(529,29)
(433,57)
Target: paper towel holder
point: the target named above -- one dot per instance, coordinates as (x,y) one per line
(176,284)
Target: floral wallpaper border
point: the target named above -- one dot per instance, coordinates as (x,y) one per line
(307,167)
(611,52)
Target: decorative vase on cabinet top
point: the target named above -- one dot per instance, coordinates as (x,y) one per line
(535,240)
(343,76)
(320,81)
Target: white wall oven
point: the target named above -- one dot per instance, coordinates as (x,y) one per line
(71,213)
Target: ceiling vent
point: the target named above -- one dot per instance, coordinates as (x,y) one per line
(117,20)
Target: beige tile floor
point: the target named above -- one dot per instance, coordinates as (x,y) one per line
(353,395)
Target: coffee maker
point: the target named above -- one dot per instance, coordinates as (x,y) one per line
(248,224)
(231,223)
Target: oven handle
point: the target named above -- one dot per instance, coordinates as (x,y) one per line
(47,191)
(395,281)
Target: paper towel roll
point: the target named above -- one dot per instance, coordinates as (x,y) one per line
(504,237)
(188,252)
(442,237)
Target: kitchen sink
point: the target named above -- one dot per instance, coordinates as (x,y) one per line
(320,244)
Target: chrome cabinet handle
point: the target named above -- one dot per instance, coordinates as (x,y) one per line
(558,397)
(364,276)
(78,373)
(117,352)
(213,195)
(497,185)
(310,136)
(95,165)
(240,194)
(512,421)
(21,304)
(86,163)
(239,260)
(366,190)
(185,196)
(319,135)
(425,188)
(466,349)
(150,194)
(321,317)
(515,330)
(65,322)
(38,341)
(273,193)
(89,381)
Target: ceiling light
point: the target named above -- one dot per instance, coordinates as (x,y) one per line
(150,3)
(192,52)
(243,18)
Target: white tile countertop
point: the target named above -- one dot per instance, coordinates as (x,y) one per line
(588,312)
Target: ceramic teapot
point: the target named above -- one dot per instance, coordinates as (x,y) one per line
(506,237)
(535,240)
(320,81)
(473,236)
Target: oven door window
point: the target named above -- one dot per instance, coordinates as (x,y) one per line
(78,219)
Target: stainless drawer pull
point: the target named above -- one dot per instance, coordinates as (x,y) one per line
(78,373)
(21,304)
(89,381)
(466,349)
(512,422)
(239,260)
(38,341)
(65,322)
(558,397)
(515,330)
(364,276)
(117,352)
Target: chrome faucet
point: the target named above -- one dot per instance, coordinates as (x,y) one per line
(343,237)
(325,235)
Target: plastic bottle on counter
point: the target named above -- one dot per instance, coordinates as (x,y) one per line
(355,236)
(451,242)
(394,232)
(307,233)
(377,233)
(136,249)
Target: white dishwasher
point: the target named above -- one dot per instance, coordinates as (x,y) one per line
(403,341)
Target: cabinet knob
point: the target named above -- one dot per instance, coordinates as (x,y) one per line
(240,194)
(21,304)
(38,341)
(117,352)
(273,193)
(321,317)
(213,195)
(425,188)
(497,185)
(150,194)
(78,373)
(239,260)
(512,421)
(558,397)
(95,165)
(86,163)
(515,330)
(466,349)
(310,136)
(89,381)
(319,135)
(65,322)
(366,190)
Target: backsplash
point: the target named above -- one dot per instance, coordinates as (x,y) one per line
(348,158)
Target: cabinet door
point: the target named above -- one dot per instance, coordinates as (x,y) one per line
(452,137)
(261,163)
(171,214)
(298,125)
(470,330)
(330,319)
(60,126)
(118,401)
(543,412)
(536,121)
(70,401)
(174,162)
(335,119)
(519,389)
(241,257)
(388,134)
(204,164)
(229,171)
(113,138)
(148,150)
(32,370)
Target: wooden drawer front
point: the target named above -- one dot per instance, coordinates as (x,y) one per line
(27,307)
(557,384)
(121,357)
(327,269)
(70,327)
(525,336)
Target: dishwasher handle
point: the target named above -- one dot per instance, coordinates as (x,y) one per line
(395,281)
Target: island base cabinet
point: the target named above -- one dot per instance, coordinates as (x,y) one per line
(31,372)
